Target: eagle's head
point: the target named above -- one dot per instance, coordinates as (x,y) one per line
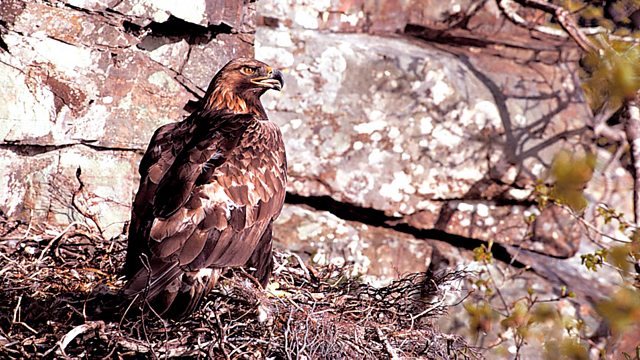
(240,83)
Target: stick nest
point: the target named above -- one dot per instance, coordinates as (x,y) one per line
(59,298)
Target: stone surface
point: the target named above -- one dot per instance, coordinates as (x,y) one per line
(376,130)
(388,16)
(420,133)
(378,253)
(438,137)
(214,54)
(436,116)
(159,11)
(42,188)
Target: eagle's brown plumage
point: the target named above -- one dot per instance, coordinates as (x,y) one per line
(210,187)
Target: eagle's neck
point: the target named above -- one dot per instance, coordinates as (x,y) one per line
(222,99)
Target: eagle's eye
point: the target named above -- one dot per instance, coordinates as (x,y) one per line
(248,70)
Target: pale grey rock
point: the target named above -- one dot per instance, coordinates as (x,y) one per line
(206,59)
(391,124)
(39,20)
(394,128)
(159,11)
(389,16)
(92,99)
(92,4)
(171,54)
(21,119)
(39,186)
(232,13)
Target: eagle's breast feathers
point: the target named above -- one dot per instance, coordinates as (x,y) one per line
(245,191)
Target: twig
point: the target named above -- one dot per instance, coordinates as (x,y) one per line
(632,130)
(78,330)
(221,334)
(390,350)
(302,265)
(497,288)
(16,311)
(56,238)
(590,226)
(26,234)
(74,196)
(612,134)
(126,311)
(562,16)
(133,345)
(425,312)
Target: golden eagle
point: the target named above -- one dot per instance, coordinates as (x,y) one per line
(210,187)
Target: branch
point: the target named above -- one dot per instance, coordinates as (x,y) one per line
(79,330)
(387,345)
(631,118)
(561,14)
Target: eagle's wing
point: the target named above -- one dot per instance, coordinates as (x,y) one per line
(166,142)
(213,205)
(165,147)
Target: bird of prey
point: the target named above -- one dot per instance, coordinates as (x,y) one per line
(210,187)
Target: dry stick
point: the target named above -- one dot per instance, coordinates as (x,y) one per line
(507,7)
(592,227)
(16,313)
(302,265)
(75,205)
(17,318)
(56,238)
(76,331)
(632,130)
(387,345)
(562,15)
(221,333)
(26,234)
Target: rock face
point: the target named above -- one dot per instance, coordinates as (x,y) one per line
(431,135)
(324,238)
(447,134)
(442,128)
(85,84)
(437,128)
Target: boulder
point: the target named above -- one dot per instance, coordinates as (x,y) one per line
(439,139)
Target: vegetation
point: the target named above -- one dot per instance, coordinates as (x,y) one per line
(611,81)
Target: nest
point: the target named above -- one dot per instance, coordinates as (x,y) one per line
(59,298)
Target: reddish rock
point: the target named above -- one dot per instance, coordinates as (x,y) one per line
(91,73)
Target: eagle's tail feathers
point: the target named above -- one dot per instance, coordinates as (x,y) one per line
(169,290)
(195,285)
(162,274)
(262,258)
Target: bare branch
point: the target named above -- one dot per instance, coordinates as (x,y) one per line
(631,120)
(77,331)
(561,14)
(390,350)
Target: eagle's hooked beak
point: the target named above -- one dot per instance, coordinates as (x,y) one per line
(273,81)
